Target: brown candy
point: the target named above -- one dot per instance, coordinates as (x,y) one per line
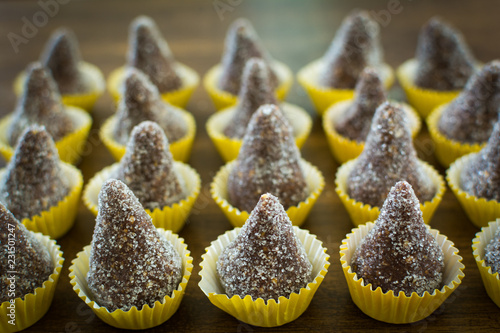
(141,101)
(130,263)
(356,120)
(444,59)
(40,104)
(255,91)
(268,162)
(481,176)
(492,253)
(471,116)
(33,181)
(62,57)
(147,168)
(355,46)
(399,253)
(149,52)
(22,254)
(388,157)
(241,44)
(266,260)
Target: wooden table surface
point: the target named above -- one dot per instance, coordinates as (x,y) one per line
(295,32)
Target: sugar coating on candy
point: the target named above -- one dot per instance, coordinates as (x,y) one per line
(492,253)
(242,43)
(399,253)
(355,46)
(40,104)
(388,157)
(62,57)
(266,260)
(130,263)
(444,61)
(141,101)
(147,168)
(255,91)
(268,162)
(471,116)
(149,52)
(22,253)
(355,122)
(33,181)
(481,176)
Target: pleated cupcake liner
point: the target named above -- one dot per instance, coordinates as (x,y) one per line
(258,312)
(85,100)
(361,213)
(32,307)
(133,319)
(70,147)
(491,281)
(447,150)
(399,309)
(222,99)
(323,97)
(343,148)
(180,149)
(180,97)
(297,214)
(423,100)
(229,148)
(171,217)
(479,210)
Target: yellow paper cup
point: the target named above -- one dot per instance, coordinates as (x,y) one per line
(297,214)
(57,221)
(423,100)
(32,307)
(258,312)
(491,281)
(228,148)
(222,99)
(479,210)
(190,80)
(85,100)
(70,147)
(361,213)
(344,149)
(169,217)
(323,97)
(448,150)
(134,319)
(399,309)
(180,149)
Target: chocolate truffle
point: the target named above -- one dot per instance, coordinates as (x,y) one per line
(147,168)
(481,176)
(28,258)
(388,157)
(149,52)
(130,263)
(444,61)
(268,162)
(255,91)
(62,57)
(354,123)
(241,44)
(470,117)
(33,181)
(492,253)
(40,104)
(355,46)
(266,260)
(141,101)
(399,253)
